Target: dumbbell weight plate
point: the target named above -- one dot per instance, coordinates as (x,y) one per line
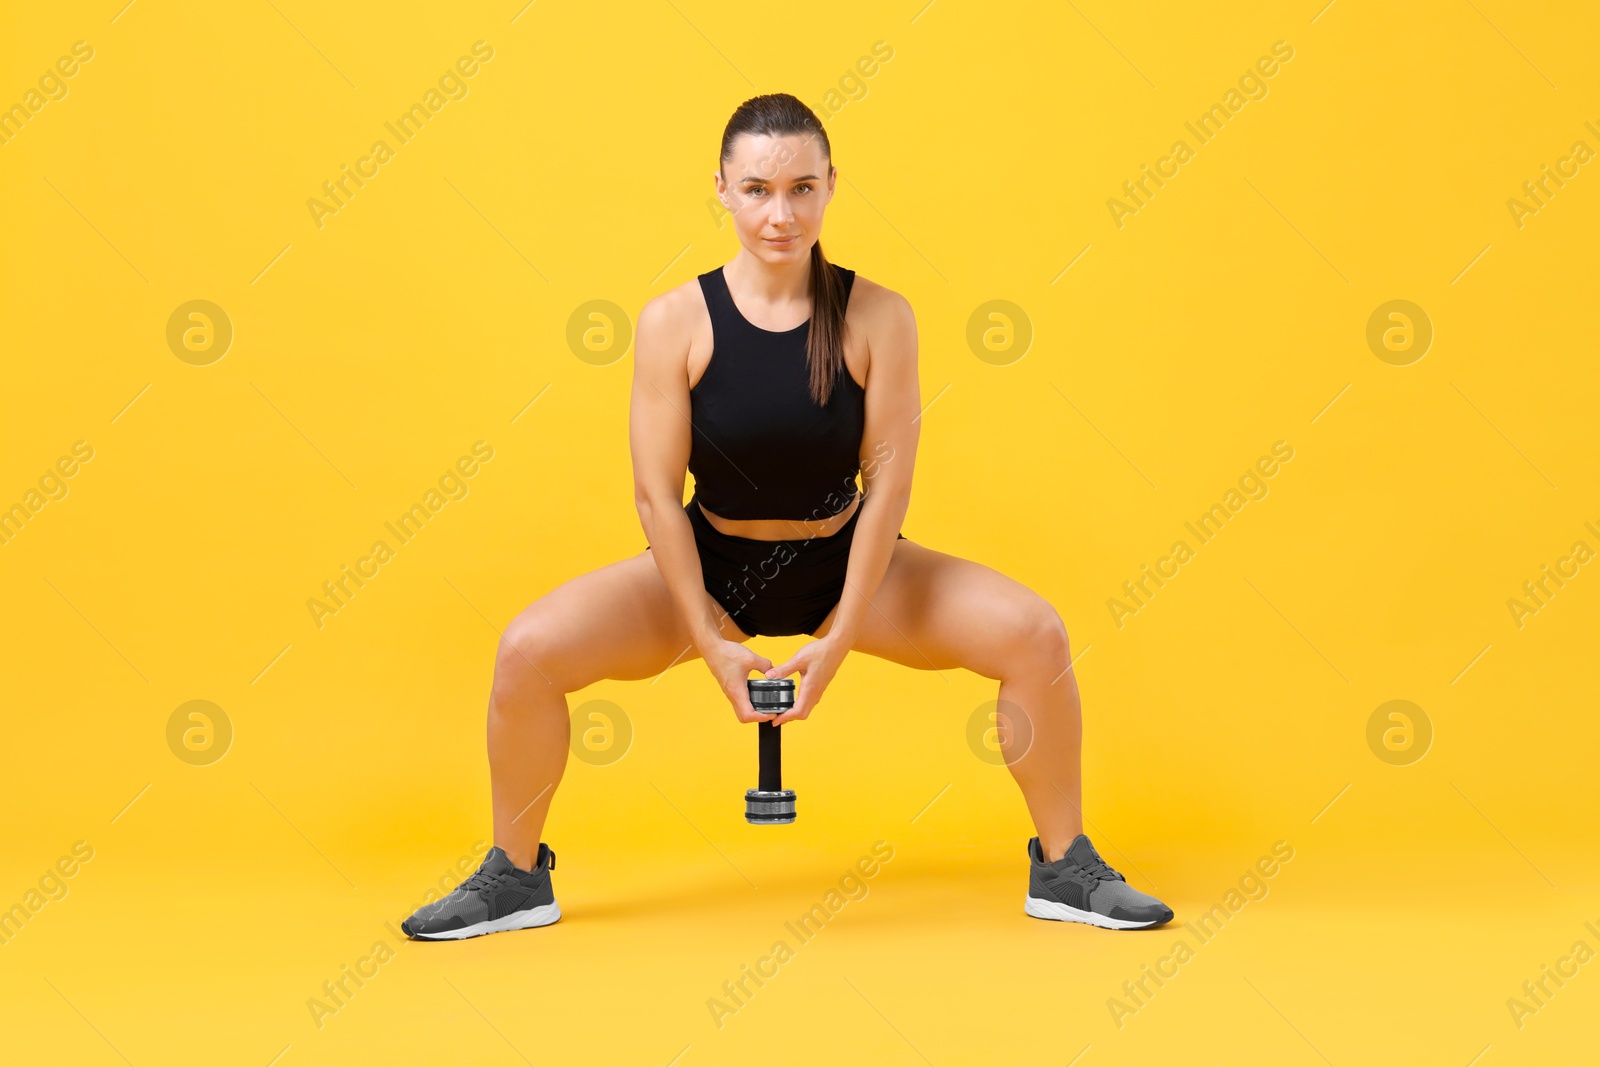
(767,806)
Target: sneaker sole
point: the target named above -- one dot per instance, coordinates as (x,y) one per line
(543,915)
(1050,909)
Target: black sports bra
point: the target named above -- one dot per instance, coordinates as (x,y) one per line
(761,448)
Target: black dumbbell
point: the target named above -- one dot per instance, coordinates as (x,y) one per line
(770,802)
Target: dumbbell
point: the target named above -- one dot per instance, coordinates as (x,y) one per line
(769,802)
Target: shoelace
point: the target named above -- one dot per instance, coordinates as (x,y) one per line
(482,879)
(1098,870)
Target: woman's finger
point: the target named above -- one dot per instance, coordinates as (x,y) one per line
(802,695)
(741,703)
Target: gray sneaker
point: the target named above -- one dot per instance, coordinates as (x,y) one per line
(1082,887)
(498,896)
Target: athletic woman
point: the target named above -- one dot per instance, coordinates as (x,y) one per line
(775,380)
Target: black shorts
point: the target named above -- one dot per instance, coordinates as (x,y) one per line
(773,588)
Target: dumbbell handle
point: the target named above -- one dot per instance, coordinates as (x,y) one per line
(771,742)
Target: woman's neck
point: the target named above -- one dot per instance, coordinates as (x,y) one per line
(764,283)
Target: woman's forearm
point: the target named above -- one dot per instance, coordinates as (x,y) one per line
(672,544)
(871,548)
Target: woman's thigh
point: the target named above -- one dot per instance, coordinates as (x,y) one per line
(936,611)
(618,621)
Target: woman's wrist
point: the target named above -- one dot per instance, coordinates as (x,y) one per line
(846,625)
(706,632)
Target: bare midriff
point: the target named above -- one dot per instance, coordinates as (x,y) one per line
(781,529)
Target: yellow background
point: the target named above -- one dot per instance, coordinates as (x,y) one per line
(369,354)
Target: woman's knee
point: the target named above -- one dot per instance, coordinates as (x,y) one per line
(526,656)
(1041,635)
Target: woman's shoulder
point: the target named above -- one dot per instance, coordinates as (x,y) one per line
(877,306)
(678,309)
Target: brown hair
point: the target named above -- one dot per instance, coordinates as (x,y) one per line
(779,115)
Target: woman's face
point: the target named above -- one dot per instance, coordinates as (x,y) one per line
(776,188)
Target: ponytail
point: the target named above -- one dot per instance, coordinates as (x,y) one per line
(825,339)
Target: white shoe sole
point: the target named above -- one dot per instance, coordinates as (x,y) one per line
(1050,909)
(543,915)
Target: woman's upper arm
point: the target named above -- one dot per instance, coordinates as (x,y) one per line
(894,396)
(658,419)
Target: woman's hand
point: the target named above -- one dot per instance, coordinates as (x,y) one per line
(730,664)
(817,663)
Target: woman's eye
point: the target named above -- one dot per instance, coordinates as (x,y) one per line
(803,185)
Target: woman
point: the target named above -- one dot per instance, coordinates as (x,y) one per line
(775,380)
